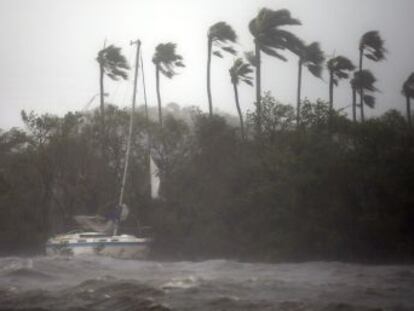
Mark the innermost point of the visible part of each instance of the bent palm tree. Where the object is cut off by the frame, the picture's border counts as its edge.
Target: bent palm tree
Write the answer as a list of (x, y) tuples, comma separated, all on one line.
[(270, 38), (219, 35), (363, 82), (165, 60), (339, 68), (408, 91), (240, 72), (371, 46), (310, 56), (113, 64)]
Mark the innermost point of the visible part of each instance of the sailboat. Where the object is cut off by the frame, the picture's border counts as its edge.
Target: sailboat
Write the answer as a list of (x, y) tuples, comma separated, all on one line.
[(100, 235)]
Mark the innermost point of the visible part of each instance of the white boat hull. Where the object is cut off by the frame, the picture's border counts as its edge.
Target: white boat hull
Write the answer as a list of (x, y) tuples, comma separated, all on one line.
[(124, 246)]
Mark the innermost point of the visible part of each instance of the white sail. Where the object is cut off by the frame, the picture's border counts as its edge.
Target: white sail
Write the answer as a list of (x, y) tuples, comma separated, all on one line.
[(154, 179), (124, 212)]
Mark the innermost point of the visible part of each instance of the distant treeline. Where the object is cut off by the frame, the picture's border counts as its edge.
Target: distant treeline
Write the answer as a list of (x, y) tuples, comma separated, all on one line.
[(335, 189)]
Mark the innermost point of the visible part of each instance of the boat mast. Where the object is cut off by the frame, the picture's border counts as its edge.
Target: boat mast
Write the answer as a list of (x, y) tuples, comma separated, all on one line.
[(131, 123), (148, 153)]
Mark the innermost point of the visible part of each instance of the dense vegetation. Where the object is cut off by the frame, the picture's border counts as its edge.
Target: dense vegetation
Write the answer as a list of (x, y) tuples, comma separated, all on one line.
[(313, 192)]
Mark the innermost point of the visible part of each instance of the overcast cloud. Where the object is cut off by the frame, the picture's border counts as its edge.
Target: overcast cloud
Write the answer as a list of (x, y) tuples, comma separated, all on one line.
[(48, 50)]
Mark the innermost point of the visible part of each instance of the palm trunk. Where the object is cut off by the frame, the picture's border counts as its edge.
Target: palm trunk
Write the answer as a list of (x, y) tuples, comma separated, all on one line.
[(157, 78), (102, 110), (298, 93), (362, 107), (258, 88), (236, 96), (361, 90), (408, 111), (354, 104), (101, 89), (331, 89), (210, 102)]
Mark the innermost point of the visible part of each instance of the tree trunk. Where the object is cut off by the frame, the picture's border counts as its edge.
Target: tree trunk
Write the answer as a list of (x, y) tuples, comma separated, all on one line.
[(157, 78), (258, 88), (354, 104), (101, 89), (298, 93), (408, 111), (362, 107), (210, 102), (102, 109), (361, 90), (331, 89), (236, 96)]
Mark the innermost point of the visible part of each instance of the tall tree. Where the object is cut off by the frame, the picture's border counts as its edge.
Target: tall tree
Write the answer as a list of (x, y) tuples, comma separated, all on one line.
[(408, 91), (372, 47), (339, 68), (219, 36), (165, 60), (114, 65), (363, 82), (270, 38), (240, 71), (310, 56)]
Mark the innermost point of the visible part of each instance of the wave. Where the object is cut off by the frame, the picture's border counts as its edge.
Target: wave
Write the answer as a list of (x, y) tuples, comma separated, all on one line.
[(102, 283), (91, 295)]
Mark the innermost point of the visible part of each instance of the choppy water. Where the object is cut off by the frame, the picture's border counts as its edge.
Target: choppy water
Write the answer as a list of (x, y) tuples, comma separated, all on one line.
[(98, 283)]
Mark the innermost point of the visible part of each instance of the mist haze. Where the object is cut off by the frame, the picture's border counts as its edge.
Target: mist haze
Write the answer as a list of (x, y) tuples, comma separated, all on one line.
[(277, 179)]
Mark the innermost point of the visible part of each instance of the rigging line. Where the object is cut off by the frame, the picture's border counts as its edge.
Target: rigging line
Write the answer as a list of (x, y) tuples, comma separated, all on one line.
[(131, 121), (149, 144)]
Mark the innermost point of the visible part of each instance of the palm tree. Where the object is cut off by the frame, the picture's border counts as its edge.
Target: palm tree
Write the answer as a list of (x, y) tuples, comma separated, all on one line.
[(270, 38), (310, 56), (113, 64), (240, 72), (165, 60), (339, 68), (363, 82), (408, 91), (219, 35), (371, 46)]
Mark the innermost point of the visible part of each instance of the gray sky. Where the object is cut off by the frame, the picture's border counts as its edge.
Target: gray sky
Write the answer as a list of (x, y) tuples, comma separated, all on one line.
[(48, 50)]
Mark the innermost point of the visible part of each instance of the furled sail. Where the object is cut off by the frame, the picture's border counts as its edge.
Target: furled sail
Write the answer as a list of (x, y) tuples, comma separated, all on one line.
[(155, 179), (95, 223), (103, 224)]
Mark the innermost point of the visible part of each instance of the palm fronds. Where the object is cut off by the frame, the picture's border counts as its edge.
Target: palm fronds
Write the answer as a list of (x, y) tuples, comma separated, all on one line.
[(372, 45), (240, 71), (166, 59), (340, 67), (113, 62), (267, 32), (221, 35)]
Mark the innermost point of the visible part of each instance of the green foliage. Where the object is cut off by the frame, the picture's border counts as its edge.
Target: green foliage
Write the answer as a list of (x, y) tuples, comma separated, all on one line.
[(301, 194)]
